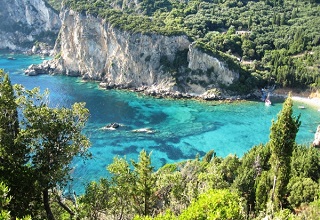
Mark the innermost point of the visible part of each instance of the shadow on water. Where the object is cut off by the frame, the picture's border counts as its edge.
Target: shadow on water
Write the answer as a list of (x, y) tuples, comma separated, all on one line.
[(177, 153), (126, 150)]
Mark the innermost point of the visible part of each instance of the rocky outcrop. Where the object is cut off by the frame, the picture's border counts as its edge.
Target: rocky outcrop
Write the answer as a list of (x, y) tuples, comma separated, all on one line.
[(316, 142), (46, 67), (92, 48), (23, 22)]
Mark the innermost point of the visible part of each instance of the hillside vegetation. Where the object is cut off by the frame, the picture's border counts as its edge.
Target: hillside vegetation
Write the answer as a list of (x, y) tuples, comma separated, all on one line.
[(277, 42)]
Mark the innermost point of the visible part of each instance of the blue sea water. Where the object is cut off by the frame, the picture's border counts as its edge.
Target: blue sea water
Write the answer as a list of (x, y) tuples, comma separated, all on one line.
[(184, 128)]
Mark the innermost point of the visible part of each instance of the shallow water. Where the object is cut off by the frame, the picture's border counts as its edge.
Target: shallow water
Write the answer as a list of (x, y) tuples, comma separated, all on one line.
[(183, 128)]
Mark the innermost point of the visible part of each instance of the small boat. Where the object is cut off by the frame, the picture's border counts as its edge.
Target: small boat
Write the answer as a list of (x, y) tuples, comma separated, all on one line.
[(11, 58), (301, 107), (267, 101)]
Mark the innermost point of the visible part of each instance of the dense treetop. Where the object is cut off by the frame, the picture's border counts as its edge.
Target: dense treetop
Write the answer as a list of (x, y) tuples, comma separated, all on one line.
[(276, 41)]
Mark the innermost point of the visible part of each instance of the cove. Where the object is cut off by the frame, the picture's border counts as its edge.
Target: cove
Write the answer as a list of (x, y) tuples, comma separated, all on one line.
[(183, 128)]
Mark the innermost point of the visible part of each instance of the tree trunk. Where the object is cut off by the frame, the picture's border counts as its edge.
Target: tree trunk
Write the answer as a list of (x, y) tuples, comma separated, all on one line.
[(65, 207), (47, 205)]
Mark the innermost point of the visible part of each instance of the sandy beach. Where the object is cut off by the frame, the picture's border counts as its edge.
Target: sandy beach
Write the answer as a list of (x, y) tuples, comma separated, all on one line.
[(310, 101), (304, 97)]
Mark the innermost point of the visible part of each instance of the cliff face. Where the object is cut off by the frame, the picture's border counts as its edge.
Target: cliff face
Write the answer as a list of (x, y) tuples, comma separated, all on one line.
[(25, 21), (94, 49)]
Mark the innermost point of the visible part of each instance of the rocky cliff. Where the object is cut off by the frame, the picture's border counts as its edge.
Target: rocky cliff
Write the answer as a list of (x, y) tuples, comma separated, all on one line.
[(25, 21), (94, 49)]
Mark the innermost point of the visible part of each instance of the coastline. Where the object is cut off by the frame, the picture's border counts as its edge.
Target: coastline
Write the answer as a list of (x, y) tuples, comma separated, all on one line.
[(304, 97), (314, 102)]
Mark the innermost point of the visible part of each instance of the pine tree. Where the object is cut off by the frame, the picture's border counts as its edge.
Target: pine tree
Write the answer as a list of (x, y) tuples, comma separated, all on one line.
[(121, 188), (145, 184), (9, 124), (262, 188), (13, 155), (282, 141)]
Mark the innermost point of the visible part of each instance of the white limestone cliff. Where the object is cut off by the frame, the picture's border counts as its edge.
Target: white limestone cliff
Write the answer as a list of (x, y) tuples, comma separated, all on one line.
[(92, 48), (25, 21)]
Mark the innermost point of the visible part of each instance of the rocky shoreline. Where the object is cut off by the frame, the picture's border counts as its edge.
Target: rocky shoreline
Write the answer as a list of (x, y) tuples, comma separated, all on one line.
[(157, 91), (215, 94), (49, 67)]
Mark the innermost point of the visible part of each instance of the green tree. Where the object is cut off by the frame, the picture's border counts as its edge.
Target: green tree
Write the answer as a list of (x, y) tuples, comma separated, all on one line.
[(282, 142), (262, 187), (209, 155), (305, 162), (249, 174), (144, 198), (4, 203), (14, 155), (9, 126), (54, 137), (302, 190), (121, 192), (215, 204), (96, 198)]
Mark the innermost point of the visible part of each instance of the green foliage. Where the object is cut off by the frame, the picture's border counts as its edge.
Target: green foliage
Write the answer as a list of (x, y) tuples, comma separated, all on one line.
[(302, 190), (36, 151), (14, 155), (53, 135), (207, 158), (282, 142), (4, 201), (263, 187), (168, 215), (96, 198), (56, 4), (121, 188), (215, 204), (4, 204), (249, 181), (305, 162), (144, 184)]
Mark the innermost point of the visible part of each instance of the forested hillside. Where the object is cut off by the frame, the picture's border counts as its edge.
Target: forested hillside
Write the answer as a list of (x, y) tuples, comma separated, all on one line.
[(278, 41)]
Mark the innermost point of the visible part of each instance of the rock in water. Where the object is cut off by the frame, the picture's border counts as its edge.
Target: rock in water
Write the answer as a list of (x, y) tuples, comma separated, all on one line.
[(316, 142)]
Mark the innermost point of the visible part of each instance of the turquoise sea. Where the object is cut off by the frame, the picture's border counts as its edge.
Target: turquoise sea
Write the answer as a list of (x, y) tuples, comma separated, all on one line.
[(183, 128)]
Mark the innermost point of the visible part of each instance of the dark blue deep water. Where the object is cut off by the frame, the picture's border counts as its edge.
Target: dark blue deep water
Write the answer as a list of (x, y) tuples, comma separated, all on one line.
[(184, 128)]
